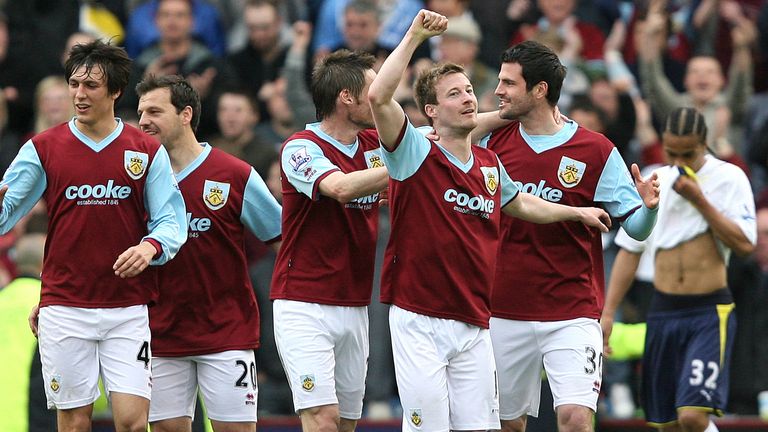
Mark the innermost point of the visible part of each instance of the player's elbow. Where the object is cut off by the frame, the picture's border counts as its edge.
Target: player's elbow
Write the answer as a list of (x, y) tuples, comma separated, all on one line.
[(744, 248), (376, 96)]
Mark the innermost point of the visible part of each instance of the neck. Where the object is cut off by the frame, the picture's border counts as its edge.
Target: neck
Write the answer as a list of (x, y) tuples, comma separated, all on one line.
[(98, 131), (183, 151), (541, 121), (343, 131), (175, 48), (456, 141)]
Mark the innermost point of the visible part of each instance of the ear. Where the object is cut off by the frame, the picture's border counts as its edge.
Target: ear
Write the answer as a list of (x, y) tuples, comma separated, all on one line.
[(186, 115), (345, 96), (431, 110), (541, 89)]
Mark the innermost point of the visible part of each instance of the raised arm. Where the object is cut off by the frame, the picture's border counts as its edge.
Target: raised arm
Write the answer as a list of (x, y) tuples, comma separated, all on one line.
[(387, 113)]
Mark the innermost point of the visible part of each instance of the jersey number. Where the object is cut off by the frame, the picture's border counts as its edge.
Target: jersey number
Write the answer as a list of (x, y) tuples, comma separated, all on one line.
[(143, 355), (697, 374), (594, 361), (252, 369)]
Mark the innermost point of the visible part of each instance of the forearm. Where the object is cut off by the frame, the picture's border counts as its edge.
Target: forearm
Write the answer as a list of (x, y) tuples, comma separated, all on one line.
[(640, 223), (345, 187), (533, 209), (724, 229), (740, 83), (383, 88), (487, 122), (622, 275)]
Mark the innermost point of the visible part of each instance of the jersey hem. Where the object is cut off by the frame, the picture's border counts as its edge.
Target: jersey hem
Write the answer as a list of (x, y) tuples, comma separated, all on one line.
[(472, 321), (329, 302), (216, 350), (515, 317)]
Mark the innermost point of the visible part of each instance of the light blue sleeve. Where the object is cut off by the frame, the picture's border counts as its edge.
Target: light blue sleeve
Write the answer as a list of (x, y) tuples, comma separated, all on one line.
[(509, 189), (167, 213), (409, 154), (617, 192), (261, 212), (26, 182), (303, 163)]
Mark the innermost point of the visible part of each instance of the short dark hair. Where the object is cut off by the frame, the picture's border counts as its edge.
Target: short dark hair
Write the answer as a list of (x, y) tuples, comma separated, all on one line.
[(340, 70), (538, 64), (686, 121), (112, 60), (182, 94), (424, 87)]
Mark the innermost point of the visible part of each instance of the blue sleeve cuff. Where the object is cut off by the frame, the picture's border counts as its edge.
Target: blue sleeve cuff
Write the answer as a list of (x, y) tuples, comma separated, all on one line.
[(640, 223)]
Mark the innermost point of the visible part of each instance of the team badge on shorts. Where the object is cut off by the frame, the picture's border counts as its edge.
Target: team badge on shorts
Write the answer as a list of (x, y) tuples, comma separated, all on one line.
[(308, 382), (55, 383), (416, 417), (373, 159), (570, 171), (490, 178), (215, 194), (135, 163)]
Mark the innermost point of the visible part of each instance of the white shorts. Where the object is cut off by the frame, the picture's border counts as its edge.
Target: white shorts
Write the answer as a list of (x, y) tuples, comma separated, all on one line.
[(227, 381), (571, 352), (324, 350), (445, 373), (77, 343)]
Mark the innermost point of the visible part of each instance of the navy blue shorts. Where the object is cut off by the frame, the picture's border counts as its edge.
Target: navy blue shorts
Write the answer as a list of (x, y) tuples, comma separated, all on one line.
[(688, 348)]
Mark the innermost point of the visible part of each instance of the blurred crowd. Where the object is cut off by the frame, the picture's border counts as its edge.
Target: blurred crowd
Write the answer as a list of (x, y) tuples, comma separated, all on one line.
[(630, 63)]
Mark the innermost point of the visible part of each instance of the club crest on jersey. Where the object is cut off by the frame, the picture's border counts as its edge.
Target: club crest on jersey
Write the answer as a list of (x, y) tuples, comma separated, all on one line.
[(570, 171), (415, 417), (373, 159), (215, 194), (135, 163), (308, 382), (55, 383), (490, 178)]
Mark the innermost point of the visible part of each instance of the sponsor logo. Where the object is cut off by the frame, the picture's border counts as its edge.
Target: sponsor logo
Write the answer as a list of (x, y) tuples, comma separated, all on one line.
[(250, 399), (416, 417), (570, 171), (108, 191), (540, 190), (477, 205), (55, 383), (596, 387), (491, 179), (300, 159), (197, 225), (373, 159), (215, 194), (308, 382), (135, 163)]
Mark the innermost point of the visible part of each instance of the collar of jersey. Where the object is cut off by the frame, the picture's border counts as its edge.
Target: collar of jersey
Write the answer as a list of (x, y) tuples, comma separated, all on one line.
[(96, 146), (181, 175), (454, 160), (348, 150), (542, 143)]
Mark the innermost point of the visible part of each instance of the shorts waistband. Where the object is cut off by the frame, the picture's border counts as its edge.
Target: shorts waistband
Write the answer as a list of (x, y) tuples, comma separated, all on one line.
[(666, 302)]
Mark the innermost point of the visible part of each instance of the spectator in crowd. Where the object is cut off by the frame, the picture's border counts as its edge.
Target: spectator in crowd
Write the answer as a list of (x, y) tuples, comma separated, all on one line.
[(24, 407), (723, 106), (52, 104), (177, 52), (237, 117), (560, 13), (142, 31), (10, 141), (460, 44), (260, 61)]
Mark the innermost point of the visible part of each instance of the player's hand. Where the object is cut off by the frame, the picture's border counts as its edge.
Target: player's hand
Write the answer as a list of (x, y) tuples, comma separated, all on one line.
[(647, 187), (595, 217), (606, 324), (384, 197), (427, 24), (134, 260), (33, 316), (688, 188)]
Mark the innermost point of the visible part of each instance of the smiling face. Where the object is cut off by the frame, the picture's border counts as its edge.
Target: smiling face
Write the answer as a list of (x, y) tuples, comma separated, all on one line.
[(90, 96), (456, 103), (158, 116), (703, 79), (514, 100)]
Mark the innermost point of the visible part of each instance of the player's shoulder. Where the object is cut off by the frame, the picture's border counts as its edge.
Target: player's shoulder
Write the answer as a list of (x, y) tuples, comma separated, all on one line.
[(227, 162)]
